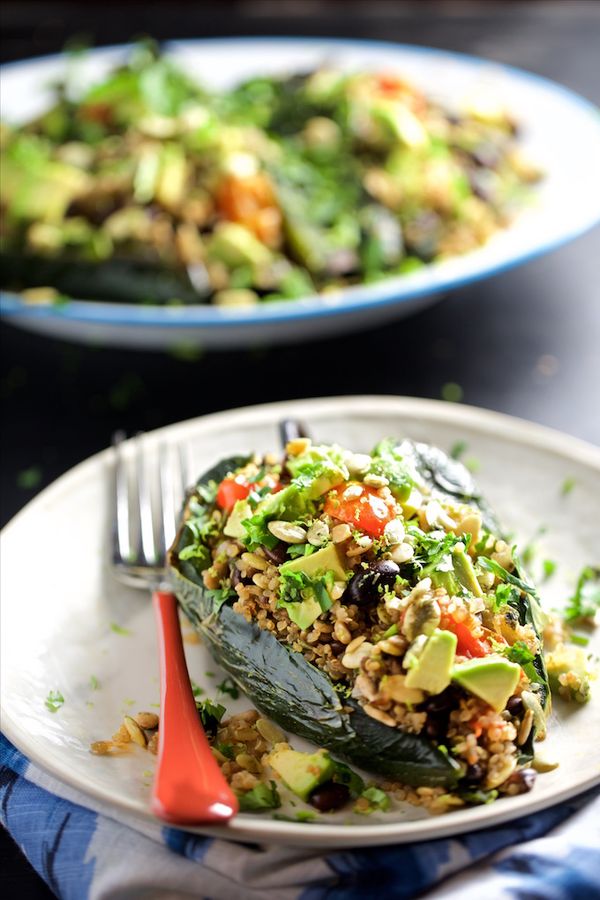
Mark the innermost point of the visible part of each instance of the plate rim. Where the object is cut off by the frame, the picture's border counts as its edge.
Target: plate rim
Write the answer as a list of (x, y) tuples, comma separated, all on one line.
[(353, 299), (292, 833)]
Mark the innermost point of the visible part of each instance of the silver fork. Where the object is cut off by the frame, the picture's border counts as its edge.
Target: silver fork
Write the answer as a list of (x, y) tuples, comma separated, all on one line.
[(189, 787)]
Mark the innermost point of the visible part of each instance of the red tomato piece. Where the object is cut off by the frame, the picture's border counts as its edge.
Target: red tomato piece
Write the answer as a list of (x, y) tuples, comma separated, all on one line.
[(468, 644), (361, 506), (231, 490)]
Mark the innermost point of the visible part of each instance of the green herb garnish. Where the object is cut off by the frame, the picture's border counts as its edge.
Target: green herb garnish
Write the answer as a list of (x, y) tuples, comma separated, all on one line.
[(585, 602), (54, 701)]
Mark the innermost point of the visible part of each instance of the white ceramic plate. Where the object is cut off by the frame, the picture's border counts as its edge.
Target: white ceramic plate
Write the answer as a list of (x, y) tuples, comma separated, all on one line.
[(59, 599), (561, 132)]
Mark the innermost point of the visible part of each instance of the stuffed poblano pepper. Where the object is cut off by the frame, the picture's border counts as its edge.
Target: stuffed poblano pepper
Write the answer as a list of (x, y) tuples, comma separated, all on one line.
[(369, 603)]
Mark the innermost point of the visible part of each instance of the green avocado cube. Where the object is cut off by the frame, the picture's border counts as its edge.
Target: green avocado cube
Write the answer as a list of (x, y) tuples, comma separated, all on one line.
[(302, 772), (233, 526), (325, 560), (492, 679), (431, 670)]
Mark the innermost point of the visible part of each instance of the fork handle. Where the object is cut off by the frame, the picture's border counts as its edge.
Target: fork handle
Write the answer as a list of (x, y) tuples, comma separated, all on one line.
[(189, 787)]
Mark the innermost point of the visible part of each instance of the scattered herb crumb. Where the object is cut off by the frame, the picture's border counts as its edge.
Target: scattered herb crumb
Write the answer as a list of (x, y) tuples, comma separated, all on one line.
[(305, 815), (459, 449), (28, 479), (89, 703), (94, 683), (54, 701), (585, 602), (549, 568), (197, 691), (154, 705), (452, 392), (128, 701), (228, 686), (473, 464), (579, 639), (119, 630), (567, 486), (210, 674)]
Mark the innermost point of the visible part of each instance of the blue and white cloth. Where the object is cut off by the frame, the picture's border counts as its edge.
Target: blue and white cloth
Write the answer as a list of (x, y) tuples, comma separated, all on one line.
[(84, 849)]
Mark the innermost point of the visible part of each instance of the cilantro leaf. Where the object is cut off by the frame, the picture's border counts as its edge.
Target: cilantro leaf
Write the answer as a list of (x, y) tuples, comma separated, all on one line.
[(228, 686), (54, 701), (492, 566), (585, 602), (210, 714), (458, 449)]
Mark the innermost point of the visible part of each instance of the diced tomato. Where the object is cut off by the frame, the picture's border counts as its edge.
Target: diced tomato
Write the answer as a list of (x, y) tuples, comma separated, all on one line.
[(237, 488), (231, 490), (363, 508), (251, 201), (468, 644)]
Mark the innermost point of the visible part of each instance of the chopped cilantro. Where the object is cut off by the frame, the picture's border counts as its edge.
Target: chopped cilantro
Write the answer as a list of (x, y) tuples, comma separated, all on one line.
[(580, 639), (491, 565), (585, 602), (94, 683), (458, 449), (343, 774), (549, 568), (118, 629), (305, 815), (209, 674), (506, 595), (226, 749), (228, 686), (378, 800), (28, 479), (520, 653), (262, 796), (295, 550), (294, 586), (210, 714), (389, 464), (473, 464), (197, 691), (219, 596), (567, 486), (452, 392), (54, 701)]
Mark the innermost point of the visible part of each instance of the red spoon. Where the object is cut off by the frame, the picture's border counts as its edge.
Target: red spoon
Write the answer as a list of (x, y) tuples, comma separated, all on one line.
[(189, 788)]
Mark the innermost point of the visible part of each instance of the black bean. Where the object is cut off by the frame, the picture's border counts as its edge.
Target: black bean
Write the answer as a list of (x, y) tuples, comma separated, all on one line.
[(236, 577), (515, 707), (442, 703), (368, 585), (474, 775), (524, 779), (329, 796), (277, 554)]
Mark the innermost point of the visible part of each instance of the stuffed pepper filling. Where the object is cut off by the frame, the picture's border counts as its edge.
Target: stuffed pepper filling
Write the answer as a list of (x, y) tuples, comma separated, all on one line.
[(385, 572)]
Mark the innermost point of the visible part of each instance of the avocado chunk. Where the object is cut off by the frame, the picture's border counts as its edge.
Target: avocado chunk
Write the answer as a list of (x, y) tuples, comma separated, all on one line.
[(302, 772), (325, 560), (492, 678), (237, 246), (432, 667), (233, 527), (303, 612), (458, 579)]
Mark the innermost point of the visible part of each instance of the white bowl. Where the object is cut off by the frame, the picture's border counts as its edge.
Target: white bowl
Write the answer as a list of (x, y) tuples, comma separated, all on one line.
[(561, 133)]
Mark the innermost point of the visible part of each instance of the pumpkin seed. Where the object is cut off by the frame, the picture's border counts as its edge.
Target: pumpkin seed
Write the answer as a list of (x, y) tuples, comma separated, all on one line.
[(270, 731), (287, 532), (135, 732)]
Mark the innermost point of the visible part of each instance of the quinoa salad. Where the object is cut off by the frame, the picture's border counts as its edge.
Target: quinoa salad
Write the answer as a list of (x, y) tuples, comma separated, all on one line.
[(147, 187), (403, 597)]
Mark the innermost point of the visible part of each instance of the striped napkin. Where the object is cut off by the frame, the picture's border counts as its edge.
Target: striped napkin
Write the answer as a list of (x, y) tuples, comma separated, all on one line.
[(86, 849)]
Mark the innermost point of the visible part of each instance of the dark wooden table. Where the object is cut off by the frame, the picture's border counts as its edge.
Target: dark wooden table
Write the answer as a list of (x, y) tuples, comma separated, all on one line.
[(527, 342)]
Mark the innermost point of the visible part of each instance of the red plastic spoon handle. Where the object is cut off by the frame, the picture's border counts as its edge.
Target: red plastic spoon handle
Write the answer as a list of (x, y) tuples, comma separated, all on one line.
[(188, 786)]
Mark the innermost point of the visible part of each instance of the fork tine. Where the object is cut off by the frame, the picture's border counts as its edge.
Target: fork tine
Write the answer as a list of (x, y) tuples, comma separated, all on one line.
[(147, 542), (182, 459), (166, 502), (121, 536)]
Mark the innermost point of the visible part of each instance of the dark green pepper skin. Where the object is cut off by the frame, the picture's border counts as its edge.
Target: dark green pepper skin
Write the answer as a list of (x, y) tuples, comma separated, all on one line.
[(114, 280), (284, 686)]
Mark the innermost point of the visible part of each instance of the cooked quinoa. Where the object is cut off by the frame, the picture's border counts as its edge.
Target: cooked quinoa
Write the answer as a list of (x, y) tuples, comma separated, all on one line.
[(403, 569)]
